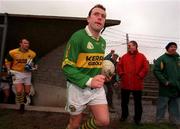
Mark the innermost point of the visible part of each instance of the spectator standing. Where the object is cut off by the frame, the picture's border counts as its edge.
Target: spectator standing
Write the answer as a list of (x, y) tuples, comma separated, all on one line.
[(132, 69), (4, 86), (109, 85), (167, 71)]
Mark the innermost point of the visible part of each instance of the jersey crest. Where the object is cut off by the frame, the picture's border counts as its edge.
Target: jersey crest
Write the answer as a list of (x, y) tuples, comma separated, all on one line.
[(90, 45)]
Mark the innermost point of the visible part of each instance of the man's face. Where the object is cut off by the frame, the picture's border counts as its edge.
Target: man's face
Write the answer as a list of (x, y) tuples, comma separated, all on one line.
[(172, 49), (97, 19), (114, 57), (132, 48), (24, 44)]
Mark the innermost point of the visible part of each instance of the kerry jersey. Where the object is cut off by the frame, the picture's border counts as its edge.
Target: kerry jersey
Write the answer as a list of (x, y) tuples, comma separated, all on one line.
[(83, 57), (18, 59)]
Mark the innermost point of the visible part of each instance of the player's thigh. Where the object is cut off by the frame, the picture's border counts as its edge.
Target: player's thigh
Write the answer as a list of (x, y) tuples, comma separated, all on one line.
[(27, 88), (27, 83), (19, 87), (100, 113)]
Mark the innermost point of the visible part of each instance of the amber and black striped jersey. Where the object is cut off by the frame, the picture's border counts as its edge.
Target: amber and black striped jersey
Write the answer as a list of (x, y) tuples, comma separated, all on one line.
[(18, 59)]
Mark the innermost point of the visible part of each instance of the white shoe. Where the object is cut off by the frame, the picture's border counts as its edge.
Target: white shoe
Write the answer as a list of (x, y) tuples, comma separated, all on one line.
[(28, 100)]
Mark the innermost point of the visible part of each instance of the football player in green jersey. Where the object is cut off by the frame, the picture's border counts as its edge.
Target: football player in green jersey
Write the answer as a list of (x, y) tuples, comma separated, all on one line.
[(82, 67)]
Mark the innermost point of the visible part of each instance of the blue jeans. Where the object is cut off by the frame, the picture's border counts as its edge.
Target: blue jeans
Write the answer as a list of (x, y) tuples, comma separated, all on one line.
[(173, 105)]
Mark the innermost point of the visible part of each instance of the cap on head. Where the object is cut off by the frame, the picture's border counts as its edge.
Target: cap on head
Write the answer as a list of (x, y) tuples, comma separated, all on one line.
[(170, 44)]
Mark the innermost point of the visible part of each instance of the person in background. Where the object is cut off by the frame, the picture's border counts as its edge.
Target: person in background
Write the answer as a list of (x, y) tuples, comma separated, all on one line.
[(167, 71), (82, 65), (4, 86), (132, 69), (109, 94), (20, 62)]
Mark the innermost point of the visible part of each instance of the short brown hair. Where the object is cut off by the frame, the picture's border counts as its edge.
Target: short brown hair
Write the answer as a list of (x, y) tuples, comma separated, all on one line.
[(134, 43), (97, 6), (21, 40)]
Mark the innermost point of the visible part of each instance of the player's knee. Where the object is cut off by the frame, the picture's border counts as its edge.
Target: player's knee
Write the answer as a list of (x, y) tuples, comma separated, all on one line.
[(18, 93), (75, 125), (27, 93), (103, 122)]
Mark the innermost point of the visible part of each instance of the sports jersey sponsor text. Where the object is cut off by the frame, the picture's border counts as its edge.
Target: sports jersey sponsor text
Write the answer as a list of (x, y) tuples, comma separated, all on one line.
[(90, 60), (21, 60)]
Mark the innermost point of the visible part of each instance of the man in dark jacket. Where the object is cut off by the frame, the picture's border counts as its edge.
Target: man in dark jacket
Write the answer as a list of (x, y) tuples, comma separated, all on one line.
[(109, 85), (167, 71)]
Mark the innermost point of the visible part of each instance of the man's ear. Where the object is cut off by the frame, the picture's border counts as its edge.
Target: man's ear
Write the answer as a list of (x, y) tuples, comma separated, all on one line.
[(88, 19)]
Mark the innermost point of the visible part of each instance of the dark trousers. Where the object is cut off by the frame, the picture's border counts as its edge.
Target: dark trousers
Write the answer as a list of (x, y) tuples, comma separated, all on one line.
[(137, 96), (109, 93)]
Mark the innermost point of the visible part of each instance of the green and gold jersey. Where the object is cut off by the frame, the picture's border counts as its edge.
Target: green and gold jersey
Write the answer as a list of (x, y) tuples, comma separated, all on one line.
[(83, 57), (18, 59)]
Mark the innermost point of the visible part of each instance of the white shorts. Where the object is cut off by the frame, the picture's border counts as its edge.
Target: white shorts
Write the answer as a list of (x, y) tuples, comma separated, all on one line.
[(78, 98), (21, 77), (4, 86)]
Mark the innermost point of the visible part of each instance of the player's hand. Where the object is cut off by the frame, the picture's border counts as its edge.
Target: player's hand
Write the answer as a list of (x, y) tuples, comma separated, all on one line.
[(116, 85), (98, 81), (35, 67), (9, 72), (168, 84)]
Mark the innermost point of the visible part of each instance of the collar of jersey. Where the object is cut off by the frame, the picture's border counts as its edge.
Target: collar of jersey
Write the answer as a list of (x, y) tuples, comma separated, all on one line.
[(22, 51), (90, 34)]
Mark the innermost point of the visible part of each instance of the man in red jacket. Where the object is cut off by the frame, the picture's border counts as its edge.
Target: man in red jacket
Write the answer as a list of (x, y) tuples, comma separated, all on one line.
[(132, 68)]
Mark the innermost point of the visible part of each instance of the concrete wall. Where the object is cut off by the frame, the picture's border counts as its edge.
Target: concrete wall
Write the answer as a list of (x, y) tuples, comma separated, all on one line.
[(49, 81)]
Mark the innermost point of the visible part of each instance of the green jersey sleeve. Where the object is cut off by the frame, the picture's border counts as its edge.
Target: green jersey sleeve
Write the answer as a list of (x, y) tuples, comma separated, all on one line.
[(72, 73)]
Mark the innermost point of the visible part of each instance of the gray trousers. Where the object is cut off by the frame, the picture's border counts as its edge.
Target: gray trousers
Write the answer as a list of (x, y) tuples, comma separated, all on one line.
[(173, 105)]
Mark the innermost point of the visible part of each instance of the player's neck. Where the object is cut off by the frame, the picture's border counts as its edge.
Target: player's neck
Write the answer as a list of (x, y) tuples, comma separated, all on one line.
[(95, 34), (23, 50)]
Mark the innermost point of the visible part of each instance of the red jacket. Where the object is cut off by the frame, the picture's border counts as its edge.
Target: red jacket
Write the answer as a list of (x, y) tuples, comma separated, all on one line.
[(132, 68)]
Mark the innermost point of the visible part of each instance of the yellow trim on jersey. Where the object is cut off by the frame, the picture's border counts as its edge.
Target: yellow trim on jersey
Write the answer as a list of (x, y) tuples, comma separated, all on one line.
[(67, 62), (67, 51), (161, 65), (90, 60)]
